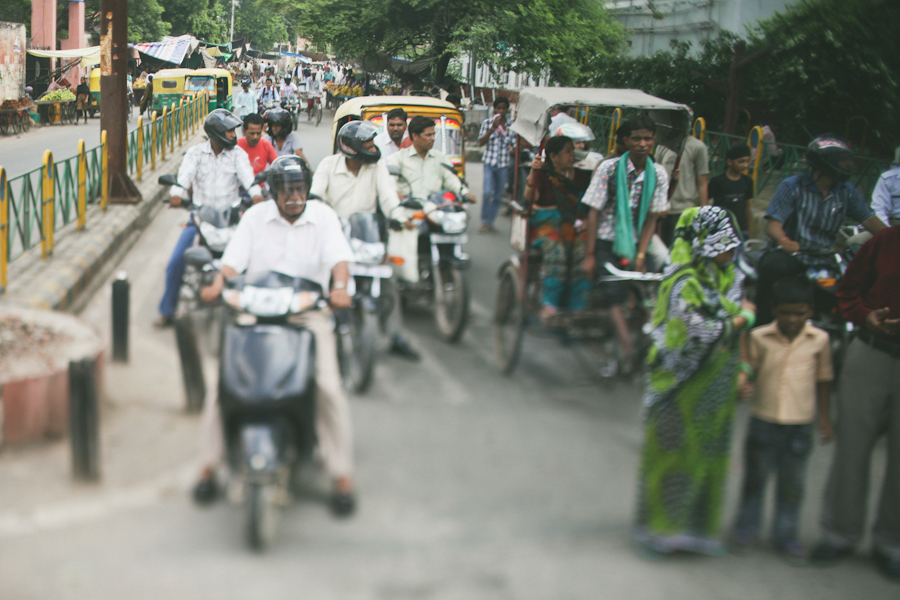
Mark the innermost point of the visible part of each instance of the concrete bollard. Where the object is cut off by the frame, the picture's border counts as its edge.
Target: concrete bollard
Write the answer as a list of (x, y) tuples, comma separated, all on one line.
[(84, 419), (121, 292)]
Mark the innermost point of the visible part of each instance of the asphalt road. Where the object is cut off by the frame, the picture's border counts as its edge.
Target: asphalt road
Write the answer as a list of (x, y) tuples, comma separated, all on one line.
[(24, 152), (472, 485)]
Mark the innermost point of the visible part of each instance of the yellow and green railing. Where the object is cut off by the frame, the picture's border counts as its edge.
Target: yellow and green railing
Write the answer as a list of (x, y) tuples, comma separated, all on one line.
[(34, 205)]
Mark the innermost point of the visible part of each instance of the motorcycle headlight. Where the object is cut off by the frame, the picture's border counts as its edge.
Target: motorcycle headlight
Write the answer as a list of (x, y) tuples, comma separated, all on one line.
[(267, 302), (301, 301), (367, 252), (450, 222), (215, 237)]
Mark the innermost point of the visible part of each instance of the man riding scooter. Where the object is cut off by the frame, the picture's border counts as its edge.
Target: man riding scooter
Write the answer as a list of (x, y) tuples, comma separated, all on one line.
[(213, 172), (301, 239), (357, 180)]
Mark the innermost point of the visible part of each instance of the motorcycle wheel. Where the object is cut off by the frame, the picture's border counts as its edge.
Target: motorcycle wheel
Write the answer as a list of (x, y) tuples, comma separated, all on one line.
[(451, 313), (262, 515), (509, 321), (358, 350), (191, 363)]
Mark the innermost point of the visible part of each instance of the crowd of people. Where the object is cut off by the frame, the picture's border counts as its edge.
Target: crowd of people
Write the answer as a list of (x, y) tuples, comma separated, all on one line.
[(710, 344)]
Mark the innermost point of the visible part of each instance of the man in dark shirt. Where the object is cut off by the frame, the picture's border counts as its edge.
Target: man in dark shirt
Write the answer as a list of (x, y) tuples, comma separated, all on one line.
[(868, 407), (732, 190)]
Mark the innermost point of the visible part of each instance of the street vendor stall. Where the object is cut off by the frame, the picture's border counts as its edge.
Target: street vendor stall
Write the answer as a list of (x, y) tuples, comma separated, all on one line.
[(57, 107)]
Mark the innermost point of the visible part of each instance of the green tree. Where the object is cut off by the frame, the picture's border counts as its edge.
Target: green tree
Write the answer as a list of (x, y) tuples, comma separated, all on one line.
[(145, 21), (559, 35), (260, 24), (204, 19)]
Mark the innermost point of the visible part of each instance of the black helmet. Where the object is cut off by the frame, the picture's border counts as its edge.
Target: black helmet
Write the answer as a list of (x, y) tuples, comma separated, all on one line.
[(279, 116), (353, 135), (830, 155), (217, 123), (286, 169)]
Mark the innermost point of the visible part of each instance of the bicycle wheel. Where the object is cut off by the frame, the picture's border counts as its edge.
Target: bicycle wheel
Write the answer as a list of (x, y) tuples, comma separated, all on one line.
[(508, 321), (318, 113)]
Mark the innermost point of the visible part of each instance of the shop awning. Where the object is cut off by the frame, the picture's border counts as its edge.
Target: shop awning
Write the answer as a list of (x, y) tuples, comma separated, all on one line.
[(89, 56), (170, 49)]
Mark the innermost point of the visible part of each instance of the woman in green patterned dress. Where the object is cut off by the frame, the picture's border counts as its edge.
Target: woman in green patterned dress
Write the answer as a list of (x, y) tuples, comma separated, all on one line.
[(691, 388)]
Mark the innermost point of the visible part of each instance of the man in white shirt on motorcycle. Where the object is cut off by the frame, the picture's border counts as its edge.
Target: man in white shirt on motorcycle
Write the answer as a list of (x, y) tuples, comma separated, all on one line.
[(213, 172), (300, 238), (268, 93), (288, 89), (357, 180)]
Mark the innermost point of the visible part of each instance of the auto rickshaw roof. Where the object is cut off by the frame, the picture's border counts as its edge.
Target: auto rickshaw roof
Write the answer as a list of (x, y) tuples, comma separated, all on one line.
[(215, 71), (535, 103), (355, 106), (169, 73)]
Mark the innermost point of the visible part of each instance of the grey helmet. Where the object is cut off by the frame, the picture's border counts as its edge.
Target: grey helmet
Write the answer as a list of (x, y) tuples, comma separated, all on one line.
[(353, 135), (217, 124), (281, 117)]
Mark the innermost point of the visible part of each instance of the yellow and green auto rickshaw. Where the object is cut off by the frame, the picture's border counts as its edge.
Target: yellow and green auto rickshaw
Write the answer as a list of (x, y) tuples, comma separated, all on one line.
[(220, 88), (169, 88), (449, 135)]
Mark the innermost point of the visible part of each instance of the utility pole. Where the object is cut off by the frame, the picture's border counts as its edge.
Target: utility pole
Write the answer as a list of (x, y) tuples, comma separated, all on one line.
[(231, 31), (113, 97)]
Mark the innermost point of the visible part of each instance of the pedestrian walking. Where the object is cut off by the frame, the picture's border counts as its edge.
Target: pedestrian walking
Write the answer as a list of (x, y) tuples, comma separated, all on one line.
[(868, 407), (791, 360), (688, 185), (691, 388), (498, 140)]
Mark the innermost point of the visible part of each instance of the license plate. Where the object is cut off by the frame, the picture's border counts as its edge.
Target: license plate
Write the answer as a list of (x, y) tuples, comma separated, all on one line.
[(441, 238), (382, 271)]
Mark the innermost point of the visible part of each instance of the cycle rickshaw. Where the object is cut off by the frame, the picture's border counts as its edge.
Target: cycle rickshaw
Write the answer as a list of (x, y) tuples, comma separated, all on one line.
[(589, 332)]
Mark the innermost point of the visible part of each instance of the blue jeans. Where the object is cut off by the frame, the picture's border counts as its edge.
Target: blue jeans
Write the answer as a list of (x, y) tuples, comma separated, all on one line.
[(175, 271), (494, 185), (784, 449)]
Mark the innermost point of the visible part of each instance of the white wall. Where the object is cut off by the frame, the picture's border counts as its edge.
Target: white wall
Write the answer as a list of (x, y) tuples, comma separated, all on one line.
[(12, 60), (688, 20)]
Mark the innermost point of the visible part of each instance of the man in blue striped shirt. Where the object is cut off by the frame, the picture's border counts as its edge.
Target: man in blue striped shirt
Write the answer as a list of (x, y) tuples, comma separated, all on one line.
[(805, 215)]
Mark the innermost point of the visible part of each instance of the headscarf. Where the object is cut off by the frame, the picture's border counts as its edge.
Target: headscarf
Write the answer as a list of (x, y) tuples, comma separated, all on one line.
[(700, 235)]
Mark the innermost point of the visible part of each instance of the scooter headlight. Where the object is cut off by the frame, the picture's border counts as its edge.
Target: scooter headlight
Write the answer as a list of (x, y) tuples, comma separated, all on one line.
[(215, 237), (450, 221), (266, 302), (301, 301), (367, 252)]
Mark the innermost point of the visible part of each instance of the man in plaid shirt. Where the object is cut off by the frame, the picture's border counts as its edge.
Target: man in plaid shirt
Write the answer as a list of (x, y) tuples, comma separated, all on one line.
[(496, 135)]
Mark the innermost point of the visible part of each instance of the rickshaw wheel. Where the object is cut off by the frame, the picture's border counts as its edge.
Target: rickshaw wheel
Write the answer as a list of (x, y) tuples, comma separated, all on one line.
[(509, 320)]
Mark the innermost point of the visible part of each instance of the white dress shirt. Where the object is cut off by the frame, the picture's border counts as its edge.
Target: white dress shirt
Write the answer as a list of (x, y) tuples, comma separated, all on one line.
[(288, 90), (215, 180), (268, 93), (244, 103), (427, 175), (347, 193), (309, 247)]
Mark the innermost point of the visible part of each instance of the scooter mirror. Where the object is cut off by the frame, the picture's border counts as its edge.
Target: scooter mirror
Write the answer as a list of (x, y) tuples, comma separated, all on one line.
[(261, 177), (167, 180), (411, 204)]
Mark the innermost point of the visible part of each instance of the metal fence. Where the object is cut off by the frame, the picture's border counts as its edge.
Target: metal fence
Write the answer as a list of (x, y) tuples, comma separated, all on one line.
[(33, 206)]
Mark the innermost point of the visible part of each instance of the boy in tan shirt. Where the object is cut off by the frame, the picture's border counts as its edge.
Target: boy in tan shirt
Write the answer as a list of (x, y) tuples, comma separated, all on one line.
[(792, 362)]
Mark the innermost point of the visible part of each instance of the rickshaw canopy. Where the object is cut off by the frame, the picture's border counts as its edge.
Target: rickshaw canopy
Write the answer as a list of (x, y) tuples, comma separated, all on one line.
[(170, 81), (535, 104)]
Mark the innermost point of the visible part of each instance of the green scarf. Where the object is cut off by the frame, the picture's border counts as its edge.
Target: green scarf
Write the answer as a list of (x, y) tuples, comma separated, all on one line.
[(624, 245)]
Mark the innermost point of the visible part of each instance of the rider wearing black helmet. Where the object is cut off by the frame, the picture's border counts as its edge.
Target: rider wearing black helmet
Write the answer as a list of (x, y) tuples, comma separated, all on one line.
[(280, 125), (806, 212), (356, 180), (301, 239), (213, 171)]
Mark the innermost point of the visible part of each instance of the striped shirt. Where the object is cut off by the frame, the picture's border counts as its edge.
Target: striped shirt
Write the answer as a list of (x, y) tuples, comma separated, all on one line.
[(496, 152), (215, 180), (811, 219)]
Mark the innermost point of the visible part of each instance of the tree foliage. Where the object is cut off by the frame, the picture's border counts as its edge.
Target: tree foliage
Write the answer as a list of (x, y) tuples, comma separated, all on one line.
[(559, 35), (204, 19), (260, 25), (831, 60)]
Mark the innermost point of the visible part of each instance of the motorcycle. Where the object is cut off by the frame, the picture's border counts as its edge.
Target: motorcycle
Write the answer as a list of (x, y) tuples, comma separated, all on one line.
[(266, 105), (292, 105), (267, 392), (214, 228), (439, 273), (357, 327)]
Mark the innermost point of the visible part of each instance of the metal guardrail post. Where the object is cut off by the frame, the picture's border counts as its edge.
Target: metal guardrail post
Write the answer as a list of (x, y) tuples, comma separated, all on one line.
[(172, 130), (121, 292), (140, 149), (84, 419), (755, 140), (180, 122), (104, 163), (4, 228), (48, 207), (614, 125), (162, 154), (153, 141), (699, 130), (82, 185)]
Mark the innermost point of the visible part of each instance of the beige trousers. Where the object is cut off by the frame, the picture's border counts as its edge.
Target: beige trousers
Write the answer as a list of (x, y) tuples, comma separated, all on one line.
[(332, 409)]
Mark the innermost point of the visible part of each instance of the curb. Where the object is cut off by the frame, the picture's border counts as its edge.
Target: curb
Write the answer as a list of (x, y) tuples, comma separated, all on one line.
[(68, 279)]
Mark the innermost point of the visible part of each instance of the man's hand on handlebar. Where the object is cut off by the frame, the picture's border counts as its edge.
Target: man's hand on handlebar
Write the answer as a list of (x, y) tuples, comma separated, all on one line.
[(339, 298), (257, 199), (789, 245), (878, 323), (589, 265), (470, 197), (211, 292), (175, 202)]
